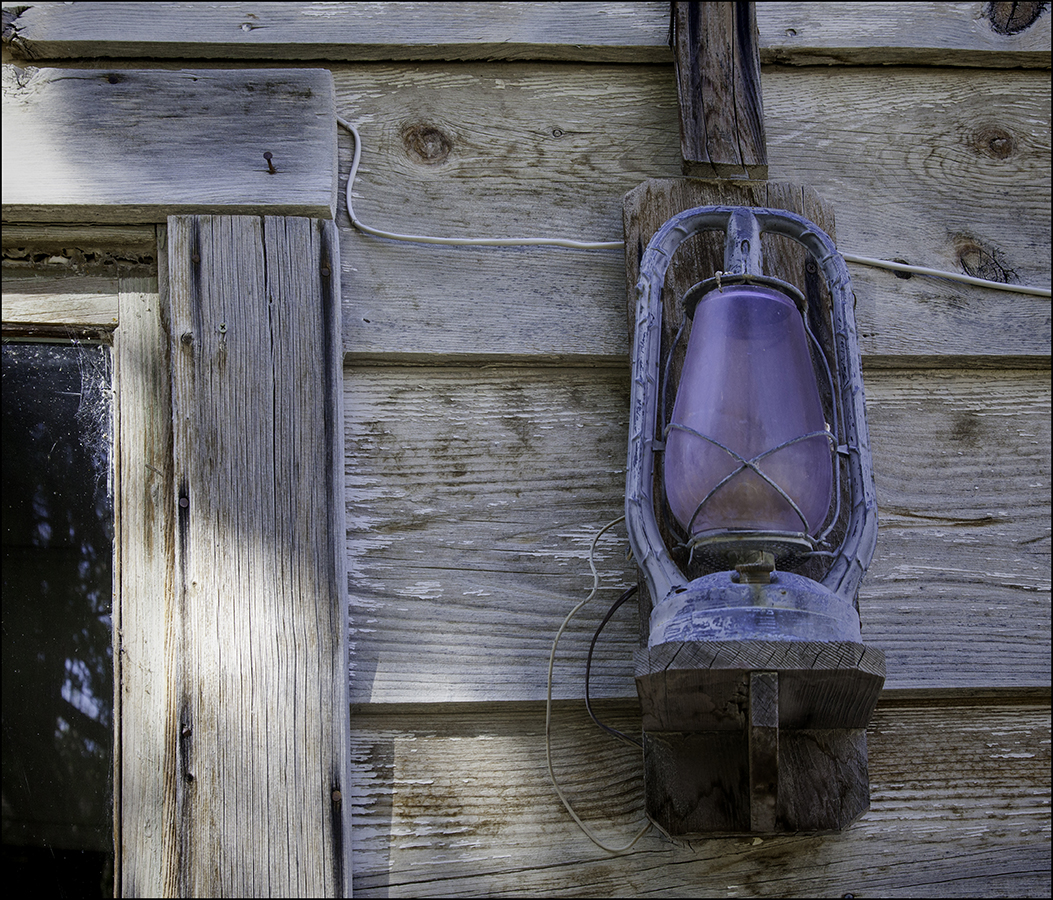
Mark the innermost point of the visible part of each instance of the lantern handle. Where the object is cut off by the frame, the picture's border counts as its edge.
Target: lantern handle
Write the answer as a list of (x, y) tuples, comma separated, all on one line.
[(742, 249)]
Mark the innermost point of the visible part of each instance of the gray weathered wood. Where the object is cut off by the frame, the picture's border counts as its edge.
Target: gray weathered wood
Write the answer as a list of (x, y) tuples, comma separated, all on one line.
[(126, 242), (50, 299), (615, 32), (458, 803), (933, 33), (261, 705), (128, 146), (962, 466), (717, 60), (473, 495), (62, 275), (146, 658), (926, 34), (552, 150)]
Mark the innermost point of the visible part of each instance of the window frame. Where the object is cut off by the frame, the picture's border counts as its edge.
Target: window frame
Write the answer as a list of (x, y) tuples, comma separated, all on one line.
[(43, 302), (159, 849)]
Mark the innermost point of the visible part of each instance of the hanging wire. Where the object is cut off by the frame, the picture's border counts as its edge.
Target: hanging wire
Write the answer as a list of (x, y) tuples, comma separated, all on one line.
[(458, 242), (621, 735), (548, 706), (952, 276)]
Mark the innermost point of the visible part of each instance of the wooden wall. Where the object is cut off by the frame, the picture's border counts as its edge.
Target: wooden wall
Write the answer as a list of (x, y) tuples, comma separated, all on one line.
[(486, 397)]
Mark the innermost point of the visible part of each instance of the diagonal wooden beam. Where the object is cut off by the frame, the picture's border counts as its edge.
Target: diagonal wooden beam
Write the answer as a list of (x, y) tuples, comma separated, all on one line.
[(717, 56)]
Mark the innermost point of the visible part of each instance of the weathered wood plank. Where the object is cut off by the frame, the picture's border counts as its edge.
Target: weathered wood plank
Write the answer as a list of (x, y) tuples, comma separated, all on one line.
[(261, 708), (897, 168), (614, 32), (946, 34), (925, 34), (717, 61), (126, 241), (512, 149), (145, 660), (460, 804), (133, 146), (473, 495), (49, 299), (962, 464), (62, 275)]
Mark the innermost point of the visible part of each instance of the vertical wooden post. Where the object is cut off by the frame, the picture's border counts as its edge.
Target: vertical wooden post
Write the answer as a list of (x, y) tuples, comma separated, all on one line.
[(716, 52), (260, 710)]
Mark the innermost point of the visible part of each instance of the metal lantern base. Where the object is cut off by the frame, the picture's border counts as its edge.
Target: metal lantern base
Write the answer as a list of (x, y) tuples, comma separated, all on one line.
[(757, 736), (719, 608)]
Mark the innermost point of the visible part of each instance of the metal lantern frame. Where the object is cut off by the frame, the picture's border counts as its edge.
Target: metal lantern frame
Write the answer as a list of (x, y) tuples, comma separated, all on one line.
[(743, 227), (755, 687)]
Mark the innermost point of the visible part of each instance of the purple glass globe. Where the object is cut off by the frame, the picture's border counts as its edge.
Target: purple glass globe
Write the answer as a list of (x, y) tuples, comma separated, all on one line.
[(748, 449)]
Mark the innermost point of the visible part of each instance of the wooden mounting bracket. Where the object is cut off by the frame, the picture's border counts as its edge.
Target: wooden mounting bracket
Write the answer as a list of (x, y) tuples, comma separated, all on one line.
[(757, 736)]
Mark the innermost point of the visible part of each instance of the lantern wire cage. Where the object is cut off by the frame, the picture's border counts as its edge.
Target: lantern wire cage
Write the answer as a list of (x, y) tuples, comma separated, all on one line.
[(802, 553)]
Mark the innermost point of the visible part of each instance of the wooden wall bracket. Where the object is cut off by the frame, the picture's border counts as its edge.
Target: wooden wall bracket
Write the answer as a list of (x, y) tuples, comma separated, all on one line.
[(757, 736)]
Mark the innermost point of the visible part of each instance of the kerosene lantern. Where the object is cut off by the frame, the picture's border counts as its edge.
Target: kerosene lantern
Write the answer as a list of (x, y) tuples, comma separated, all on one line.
[(755, 685)]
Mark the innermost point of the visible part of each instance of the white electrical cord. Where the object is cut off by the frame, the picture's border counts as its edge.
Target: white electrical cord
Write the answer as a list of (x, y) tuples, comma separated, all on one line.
[(952, 276), (548, 704), (620, 245)]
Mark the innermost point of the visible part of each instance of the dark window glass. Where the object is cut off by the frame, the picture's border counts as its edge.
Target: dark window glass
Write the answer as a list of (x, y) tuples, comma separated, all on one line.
[(57, 645)]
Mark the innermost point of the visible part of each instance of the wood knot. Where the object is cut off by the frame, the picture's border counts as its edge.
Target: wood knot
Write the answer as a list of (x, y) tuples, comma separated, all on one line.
[(426, 144), (904, 275), (982, 262), (1012, 18), (992, 141)]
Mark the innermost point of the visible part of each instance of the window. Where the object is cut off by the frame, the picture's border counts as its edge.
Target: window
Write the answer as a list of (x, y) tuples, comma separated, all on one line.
[(61, 580), (58, 527)]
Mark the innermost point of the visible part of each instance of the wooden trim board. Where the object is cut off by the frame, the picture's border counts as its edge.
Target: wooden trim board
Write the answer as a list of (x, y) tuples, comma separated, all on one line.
[(129, 146), (257, 722)]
